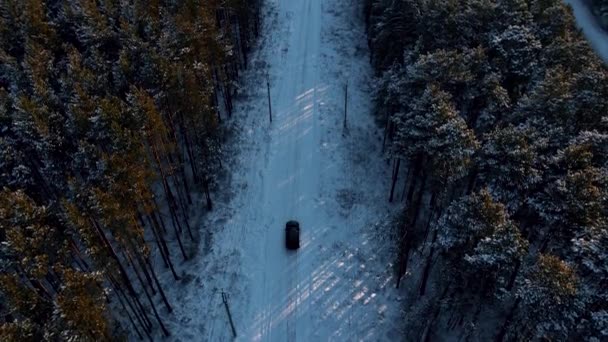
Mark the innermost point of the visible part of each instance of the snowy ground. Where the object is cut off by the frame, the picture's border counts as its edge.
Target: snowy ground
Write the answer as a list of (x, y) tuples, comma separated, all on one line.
[(597, 37), (303, 166)]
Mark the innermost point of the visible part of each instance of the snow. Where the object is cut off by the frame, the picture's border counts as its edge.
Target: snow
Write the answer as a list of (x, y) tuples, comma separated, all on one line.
[(305, 166), (597, 37)]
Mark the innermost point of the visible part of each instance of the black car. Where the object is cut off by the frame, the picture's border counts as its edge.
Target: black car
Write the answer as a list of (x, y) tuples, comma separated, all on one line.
[(292, 235)]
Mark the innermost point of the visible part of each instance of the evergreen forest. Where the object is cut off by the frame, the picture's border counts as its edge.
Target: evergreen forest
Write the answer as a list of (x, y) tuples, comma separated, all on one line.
[(496, 114)]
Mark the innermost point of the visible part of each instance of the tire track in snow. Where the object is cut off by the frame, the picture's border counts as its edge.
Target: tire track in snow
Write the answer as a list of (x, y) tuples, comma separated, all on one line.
[(294, 301), (267, 320), (300, 117)]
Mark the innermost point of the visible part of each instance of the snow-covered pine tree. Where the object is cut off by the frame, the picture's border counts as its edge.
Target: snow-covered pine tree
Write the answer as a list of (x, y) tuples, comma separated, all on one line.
[(72, 142), (545, 306), (533, 94)]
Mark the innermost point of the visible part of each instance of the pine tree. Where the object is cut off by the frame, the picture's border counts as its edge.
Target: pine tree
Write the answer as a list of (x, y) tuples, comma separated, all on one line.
[(81, 306), (479, 239), (525, 142), (510, 163), (547, 293), (99, 103)]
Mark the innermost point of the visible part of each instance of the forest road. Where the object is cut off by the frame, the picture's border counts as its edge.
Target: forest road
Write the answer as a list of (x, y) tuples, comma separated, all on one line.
[(289, 181)]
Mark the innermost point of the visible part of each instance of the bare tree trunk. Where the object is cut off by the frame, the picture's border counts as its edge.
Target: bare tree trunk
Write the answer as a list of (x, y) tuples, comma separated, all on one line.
[(508, 320), (78, 255), (138, 275), (138, 309), (395, 178), (408, 180), (167, 188), (432, 204), (514, 275), (160, 289), (411, 226), (427, 266), (404, 242), (120, 294), (160, 322), (426, 337), (387, 127), (472, 180), (181, 246), (160, 219), (156, 237), (207, 194), (163, 243), (124, 308), (418, 201), (122, 270), (188, 148)]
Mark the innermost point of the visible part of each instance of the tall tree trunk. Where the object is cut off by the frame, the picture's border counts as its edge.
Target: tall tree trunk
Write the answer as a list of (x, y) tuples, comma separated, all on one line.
[(387, 126), (152, 305), (426, 337), (472, 180), (188, 143), (432, 204), (138, 308), (156, 237), (182, 173), (119, 293), (427, 266), (40, 289), (395, 178), (177, 185), (417, 168), (53, 281), (160, 322), (404, 241), (207, 194), (411, 225), (418, 202), (160, 288), (256, 24), (507, 323), (78, 255), (122, 270), (167, 188), (138, 276), (124, 308), (514, 275), (160, 218), (403, 257), (181, 246), (187, 223), (408, 180), (163, 246)]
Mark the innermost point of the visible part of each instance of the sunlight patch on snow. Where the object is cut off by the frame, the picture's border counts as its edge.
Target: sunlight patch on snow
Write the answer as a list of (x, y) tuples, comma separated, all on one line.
[(305, 95), (386, 281), (304, 133), (369, 299), (293, 121), (287, 181), (359, 295)]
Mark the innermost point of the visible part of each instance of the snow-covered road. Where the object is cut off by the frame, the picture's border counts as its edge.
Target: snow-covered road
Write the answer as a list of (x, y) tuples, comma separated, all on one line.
[(280, 283), (598, 38), (338, 286), (303, 166)]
